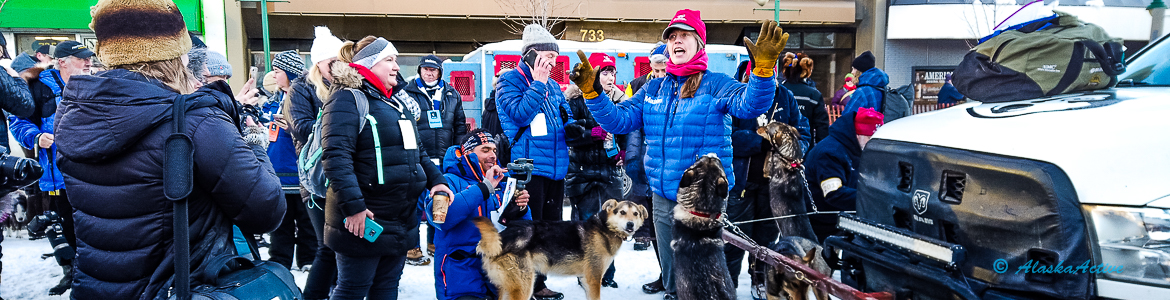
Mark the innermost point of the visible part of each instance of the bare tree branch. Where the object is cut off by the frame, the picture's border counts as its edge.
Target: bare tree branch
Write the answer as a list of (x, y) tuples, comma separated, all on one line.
[(521, 13)]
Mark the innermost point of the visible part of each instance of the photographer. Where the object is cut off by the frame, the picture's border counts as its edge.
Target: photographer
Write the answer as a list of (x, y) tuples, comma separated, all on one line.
[(473, 168), (116, 172)]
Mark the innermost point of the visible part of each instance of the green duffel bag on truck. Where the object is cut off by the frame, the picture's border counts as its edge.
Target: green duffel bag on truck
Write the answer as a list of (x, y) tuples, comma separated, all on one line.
[(1044, 57)]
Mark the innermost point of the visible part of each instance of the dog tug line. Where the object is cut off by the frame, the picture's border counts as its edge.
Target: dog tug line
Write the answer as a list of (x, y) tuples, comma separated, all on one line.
[(790, 267)]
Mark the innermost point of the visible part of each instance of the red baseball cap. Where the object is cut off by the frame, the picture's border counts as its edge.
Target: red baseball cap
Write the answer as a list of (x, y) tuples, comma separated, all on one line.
[(687, 20), (867, 121), (601, 60)]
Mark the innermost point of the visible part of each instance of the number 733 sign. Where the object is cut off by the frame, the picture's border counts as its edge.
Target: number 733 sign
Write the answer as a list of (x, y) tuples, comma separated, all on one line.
[(589, 35)]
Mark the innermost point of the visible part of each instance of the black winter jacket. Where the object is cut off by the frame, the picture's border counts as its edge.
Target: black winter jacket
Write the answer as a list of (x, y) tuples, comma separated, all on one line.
[(812, 106), (111, 129), (351, 166), (590, 167), (14, 99), (303, 113), (436, 140)]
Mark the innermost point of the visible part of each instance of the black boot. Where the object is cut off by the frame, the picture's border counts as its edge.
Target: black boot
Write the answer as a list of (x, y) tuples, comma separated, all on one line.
[(66, 281)]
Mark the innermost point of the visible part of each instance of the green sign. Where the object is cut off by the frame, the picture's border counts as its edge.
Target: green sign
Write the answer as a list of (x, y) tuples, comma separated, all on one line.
[(74, 14)]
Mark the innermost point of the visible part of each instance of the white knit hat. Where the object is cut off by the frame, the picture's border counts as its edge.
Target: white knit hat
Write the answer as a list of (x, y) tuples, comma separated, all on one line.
[(538, 38), (325, 45)]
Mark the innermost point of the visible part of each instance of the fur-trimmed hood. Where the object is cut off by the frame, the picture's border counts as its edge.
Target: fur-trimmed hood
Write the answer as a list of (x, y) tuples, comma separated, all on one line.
[(345, 76)]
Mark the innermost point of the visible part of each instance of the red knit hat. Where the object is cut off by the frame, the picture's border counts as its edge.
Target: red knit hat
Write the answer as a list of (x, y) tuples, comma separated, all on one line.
[(867, 121), (601, 60), (687, 20)]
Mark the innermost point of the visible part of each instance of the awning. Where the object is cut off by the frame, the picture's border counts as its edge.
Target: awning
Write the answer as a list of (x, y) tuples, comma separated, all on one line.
[(74, 14)]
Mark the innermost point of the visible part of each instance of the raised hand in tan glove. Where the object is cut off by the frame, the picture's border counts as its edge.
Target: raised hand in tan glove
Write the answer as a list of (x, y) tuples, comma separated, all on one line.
[(585, 77), (767, 48)]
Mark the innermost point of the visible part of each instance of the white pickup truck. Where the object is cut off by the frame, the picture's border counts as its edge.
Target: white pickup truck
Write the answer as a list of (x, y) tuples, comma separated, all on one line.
[(1065, 197)]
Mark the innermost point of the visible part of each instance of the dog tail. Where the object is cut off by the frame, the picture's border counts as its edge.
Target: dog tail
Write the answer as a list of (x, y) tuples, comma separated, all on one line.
[(490, 244)]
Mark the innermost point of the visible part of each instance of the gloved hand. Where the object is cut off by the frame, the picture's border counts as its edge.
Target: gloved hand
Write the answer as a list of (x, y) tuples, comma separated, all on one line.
[(598, 133), (767, 48), (585, 77)]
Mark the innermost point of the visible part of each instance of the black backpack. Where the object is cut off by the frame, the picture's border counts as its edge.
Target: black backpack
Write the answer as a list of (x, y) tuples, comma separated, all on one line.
[(894, 105)]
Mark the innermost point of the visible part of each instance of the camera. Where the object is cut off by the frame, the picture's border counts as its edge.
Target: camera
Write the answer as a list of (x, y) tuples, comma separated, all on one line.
[(521, 169), (17, 172), (49, 226)]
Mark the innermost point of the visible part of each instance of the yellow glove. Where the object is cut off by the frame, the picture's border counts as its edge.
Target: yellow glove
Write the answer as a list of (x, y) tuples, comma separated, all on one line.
[(584, 76), (767, 48)]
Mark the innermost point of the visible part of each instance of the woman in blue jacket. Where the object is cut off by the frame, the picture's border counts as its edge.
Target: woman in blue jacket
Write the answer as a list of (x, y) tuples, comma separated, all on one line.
[(471, 169), (685, 114)]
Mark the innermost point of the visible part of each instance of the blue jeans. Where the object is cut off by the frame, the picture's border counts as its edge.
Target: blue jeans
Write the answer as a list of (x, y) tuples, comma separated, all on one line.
[(663, 229), (369, 277)]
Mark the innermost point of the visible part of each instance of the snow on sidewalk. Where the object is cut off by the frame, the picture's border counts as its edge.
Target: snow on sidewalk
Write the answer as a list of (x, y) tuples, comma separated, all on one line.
[(27, 276)]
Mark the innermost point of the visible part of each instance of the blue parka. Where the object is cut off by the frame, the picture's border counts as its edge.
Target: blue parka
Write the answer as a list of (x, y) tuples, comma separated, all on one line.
[(834, 157), (677, 131), (46, 91), (751, 151), (519, 99), (283, 151), (461, 274), (868, 93)]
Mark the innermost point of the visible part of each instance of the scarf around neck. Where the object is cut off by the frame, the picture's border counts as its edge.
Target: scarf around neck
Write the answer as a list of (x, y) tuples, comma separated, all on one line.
[(696, 65), (373, 79)]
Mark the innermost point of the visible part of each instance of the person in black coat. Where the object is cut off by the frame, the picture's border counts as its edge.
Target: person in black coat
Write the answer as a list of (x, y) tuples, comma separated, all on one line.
[(111, 128), (832, 167), (306, 102), (812, 104), (377, 171), (749, 198), (14, 99), (432, 93)]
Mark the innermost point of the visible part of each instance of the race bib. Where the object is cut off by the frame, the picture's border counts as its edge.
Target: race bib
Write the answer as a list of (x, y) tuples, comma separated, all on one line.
[(435, 118), (539, 125), (409, 141)]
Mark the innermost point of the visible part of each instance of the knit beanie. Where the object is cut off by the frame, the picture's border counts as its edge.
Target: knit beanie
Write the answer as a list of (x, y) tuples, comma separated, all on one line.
[(537, 38), (601, 60), (325, 45), (374, 52), (289, 62), (137, 31), (867, 121), (23, 62), (476, 138), (864, 62), (217, 64)]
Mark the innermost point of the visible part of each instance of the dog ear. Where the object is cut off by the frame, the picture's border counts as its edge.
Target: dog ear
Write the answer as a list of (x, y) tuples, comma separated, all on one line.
[(687, 178), (642, 210), (609, 205), (721, 186), (810, 256)]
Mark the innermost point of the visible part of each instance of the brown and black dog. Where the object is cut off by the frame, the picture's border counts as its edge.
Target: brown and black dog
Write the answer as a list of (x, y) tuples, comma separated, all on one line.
[(583, 249), (788, 194)]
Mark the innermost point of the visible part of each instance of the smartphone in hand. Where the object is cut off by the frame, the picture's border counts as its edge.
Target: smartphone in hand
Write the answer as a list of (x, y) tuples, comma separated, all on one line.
[(373, 230)]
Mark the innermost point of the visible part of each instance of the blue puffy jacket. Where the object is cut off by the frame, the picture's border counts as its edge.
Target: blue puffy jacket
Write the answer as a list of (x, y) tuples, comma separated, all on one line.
[(283, 151), (677, 131), (458, 270), (519, 99), (47, 91), (868, 93), (751, 151)]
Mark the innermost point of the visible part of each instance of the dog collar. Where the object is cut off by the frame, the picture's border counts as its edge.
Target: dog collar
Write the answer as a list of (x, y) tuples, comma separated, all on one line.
[(704, 215)]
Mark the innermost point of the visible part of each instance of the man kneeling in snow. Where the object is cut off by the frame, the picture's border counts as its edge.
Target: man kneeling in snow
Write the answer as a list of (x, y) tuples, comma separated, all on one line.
[(472, 171)]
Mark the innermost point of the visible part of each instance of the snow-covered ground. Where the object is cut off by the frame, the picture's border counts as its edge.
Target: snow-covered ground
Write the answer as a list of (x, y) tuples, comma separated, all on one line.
[(27, 276)]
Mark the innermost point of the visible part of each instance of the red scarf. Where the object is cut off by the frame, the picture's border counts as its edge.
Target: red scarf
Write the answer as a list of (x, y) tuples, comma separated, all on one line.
[(373, 79), (696, 65)]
